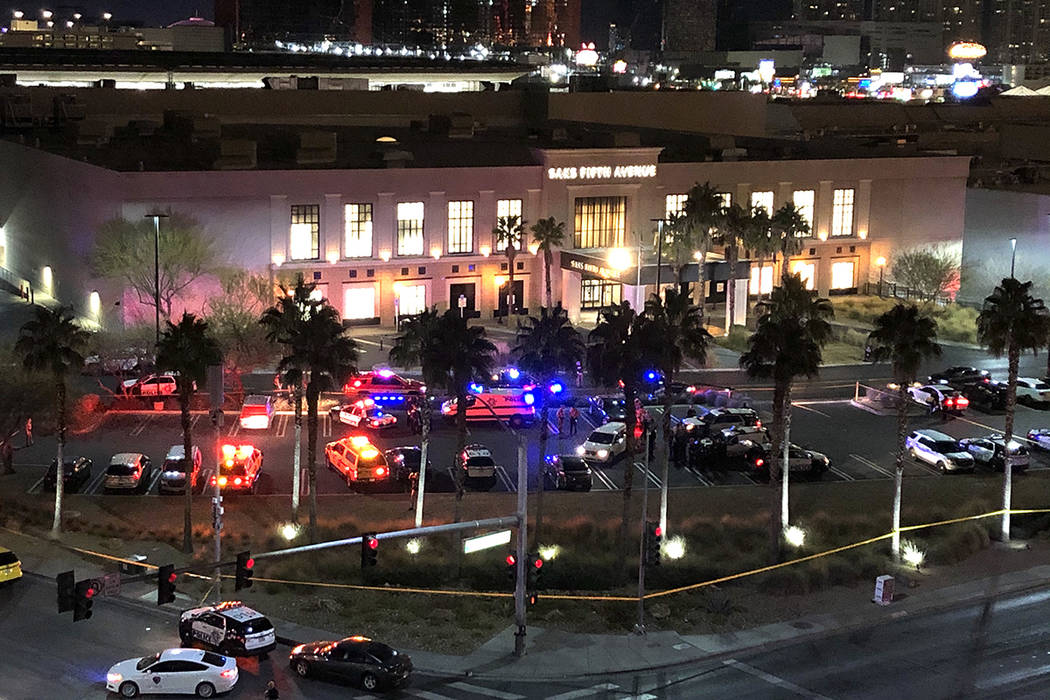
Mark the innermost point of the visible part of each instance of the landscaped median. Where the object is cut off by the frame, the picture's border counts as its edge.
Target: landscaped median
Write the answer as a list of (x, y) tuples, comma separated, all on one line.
[(723, 532)]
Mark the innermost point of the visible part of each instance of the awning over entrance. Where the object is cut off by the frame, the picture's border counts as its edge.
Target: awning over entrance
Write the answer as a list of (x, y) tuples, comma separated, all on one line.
[(595, 263)]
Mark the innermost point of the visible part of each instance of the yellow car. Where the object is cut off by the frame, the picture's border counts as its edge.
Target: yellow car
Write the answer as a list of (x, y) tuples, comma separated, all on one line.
[(10, 567)]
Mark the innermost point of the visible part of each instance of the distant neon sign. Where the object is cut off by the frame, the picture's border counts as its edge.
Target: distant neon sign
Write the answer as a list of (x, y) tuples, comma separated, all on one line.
[(602, 172)]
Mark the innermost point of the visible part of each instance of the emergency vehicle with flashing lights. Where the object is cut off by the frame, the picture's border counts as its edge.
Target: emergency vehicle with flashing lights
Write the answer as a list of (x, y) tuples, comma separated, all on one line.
[(239, 469), (516, 406), (257, 412), (384, 387), (230, 628), (363, 413), (514, 378), (358, 461)]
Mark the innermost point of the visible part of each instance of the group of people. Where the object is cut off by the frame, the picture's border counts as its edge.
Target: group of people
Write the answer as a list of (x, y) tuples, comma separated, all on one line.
[(574, 418)]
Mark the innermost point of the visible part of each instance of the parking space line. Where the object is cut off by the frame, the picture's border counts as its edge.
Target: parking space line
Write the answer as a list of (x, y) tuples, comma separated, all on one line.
[(137, 430), (326, 426), (604, 478), (427, 695), (488, 692), (282, 426), (205, 479), (584, 692), (153, 481), (699, 478), (193, 420), (234, 428), (868, 463), (774, 680), (644, 470), (505, 478), (841, 474), (811, 410), (95, 484)]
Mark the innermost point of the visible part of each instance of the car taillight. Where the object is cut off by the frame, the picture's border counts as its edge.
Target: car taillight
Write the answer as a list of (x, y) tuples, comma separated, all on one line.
[(380, 471), (222, 481), (962, 402), (229, 673), (758, 424), (237, 481), (759, 462)]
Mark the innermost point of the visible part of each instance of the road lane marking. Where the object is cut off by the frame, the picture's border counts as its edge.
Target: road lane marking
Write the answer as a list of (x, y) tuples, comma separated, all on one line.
[(584, 692), (488, 692), (645, 470), (137, 430), (427, 695), (868, 463), (842, 474), (695, 472), (773, 680), (604, 478), (505, 478), (37, 485), (811, 410), (94, 485)]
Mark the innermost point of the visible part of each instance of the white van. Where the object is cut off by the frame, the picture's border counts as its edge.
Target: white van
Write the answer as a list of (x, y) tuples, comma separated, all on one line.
[(606, 444), (516, 407)]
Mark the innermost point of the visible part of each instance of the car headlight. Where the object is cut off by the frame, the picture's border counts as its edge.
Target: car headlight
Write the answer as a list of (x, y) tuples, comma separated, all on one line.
[(580, 450), (114, 677), (603, 454), (299, 649)]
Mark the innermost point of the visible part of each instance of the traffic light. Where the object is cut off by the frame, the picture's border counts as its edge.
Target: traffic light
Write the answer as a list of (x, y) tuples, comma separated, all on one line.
[(83, 595), (166, 584), (533, 567), (369, 550), (512, 567), (243, 577), (653, 535), (66, 591)]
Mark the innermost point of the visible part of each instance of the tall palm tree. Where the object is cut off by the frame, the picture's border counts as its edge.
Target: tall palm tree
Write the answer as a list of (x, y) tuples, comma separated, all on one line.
[(508, 237), (789, 228), (787, 343), (317, 344), (548, 234), (1012, 321), (52, 342), (674, 330), (759, 241), (678, 246), (703, 214), (736, 223), (618, 353), (187, 349), (547, 344), (905, 336)]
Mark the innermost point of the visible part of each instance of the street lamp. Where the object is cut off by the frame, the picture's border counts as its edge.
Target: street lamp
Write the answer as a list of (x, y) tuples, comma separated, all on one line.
[(156, 216), (1013, 255), (881, 263)]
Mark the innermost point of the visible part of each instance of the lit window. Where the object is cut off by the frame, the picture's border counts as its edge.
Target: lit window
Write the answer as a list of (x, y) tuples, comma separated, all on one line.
[(762, 200), (727, 199), (410, 228), (305, 232), (842, 275), (461, 227), (597, 294), (674, 205), (357, 241), (412, 299), (842, 214), (761, 280), (807, 271), (506, 208), (803, 200), (359, 301), (600, 222)]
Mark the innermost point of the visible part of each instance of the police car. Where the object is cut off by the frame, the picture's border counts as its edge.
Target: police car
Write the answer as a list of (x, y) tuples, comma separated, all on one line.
[(479, 469), (230, 628), (384, 387), (516, 406), (363, 413)]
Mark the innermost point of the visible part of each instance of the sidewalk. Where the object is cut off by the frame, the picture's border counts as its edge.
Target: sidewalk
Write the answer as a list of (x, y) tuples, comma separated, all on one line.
[(555, 654)]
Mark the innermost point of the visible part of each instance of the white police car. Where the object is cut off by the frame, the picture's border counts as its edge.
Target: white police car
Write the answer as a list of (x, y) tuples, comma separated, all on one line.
[(230, 628), (174, 671)]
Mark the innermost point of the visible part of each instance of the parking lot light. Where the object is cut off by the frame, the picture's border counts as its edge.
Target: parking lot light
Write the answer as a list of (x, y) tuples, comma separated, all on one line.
[(413, 546), (911, 554), (549, 552), (794, 535), (674, 547), (290, 531)]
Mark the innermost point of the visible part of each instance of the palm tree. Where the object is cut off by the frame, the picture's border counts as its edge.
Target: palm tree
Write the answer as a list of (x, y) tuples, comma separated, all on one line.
[(789, 228), (905, 336), (508, 236), (736, 223), (547, 345), (703, 214), (187, 349), (52, 342), (759, 240), (678, 245), (618, 353), (548, 234), (787, 343), (1012, 321), (674, 330), (318, 345)]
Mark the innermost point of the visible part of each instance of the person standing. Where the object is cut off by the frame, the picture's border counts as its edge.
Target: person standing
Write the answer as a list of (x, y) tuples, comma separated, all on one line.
[(561, 420), (29, 432), (271, 691), (579, 373), (574, 418), (413, 489)]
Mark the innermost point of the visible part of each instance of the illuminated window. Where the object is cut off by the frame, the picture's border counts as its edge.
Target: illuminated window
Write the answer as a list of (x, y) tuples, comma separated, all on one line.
[(807, 271), (461, 227), (506, 208), (357, 232), (412, 299), (305, 232), (359, 301), (600, 222), (674, 205), (842, 275), (761, 280), (763, 200), (410, 228), (842, 213), (803, 200), (727, 199), (596, 293)]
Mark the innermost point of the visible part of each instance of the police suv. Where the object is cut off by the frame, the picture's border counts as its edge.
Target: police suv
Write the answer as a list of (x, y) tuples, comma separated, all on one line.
[(230, 628)]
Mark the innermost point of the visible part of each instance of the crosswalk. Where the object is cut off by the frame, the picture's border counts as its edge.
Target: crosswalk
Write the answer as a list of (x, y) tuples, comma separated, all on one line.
[(463, 690)]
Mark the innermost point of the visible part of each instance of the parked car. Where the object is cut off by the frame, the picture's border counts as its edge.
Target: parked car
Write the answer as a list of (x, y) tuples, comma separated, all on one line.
[(360, 660), (604, 409), (230, 628), (940, 397), (988, 397), (736, 447), (940, 450), (363, 413), (606, 444), (174, 672), (990, 451), (1032, 391), (404, 462), (257, 412), (75, 473), (10, 566), (478, 466), (567, 473), (959, 375), (151, 385), (173, 471), (1040, 437), (128, 471), (239, 469)]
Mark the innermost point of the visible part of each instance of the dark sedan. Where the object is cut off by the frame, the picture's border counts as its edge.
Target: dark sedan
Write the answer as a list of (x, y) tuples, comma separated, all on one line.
[(606, 409), (959, 376), (76, 473), (988, 397), (568, 473), (357, 660), (404, 462)]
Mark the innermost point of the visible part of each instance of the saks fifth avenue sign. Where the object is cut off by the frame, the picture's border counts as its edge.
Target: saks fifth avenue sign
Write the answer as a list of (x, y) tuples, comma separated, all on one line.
[(580, 265), (602, 172)]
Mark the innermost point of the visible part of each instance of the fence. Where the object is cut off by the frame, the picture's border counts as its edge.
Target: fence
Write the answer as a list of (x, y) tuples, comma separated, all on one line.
[(900, 291)]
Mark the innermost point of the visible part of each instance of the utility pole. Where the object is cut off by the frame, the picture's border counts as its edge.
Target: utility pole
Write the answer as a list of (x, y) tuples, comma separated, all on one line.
[(216, 395), (421, 482), (519, 579), (156, 216), (640, 627)]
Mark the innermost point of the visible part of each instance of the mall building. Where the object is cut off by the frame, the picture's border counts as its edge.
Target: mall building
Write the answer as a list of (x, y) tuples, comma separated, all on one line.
[(388, 220)]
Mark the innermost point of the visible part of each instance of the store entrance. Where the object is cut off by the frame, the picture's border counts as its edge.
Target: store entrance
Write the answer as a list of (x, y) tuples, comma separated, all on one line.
[(467, 291), (519, 297)]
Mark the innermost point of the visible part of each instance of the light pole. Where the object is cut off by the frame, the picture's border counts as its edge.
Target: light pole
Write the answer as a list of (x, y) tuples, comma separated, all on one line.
[(881, 263), (1013, 255), (156, 216)]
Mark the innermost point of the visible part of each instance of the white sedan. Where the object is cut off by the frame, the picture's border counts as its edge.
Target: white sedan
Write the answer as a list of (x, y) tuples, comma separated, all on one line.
[(174, 671)]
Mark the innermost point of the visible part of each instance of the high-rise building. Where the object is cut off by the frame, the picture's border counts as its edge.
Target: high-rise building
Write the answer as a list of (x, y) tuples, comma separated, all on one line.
[(688, 26)]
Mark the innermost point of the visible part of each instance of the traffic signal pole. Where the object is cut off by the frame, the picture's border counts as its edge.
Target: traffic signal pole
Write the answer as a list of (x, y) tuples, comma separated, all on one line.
[(640, 627), (519, 580)]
